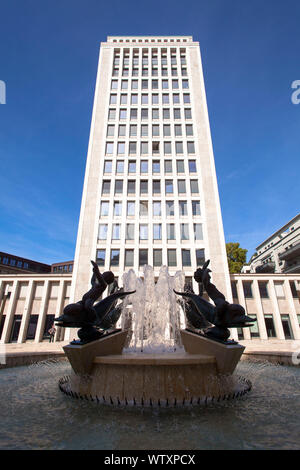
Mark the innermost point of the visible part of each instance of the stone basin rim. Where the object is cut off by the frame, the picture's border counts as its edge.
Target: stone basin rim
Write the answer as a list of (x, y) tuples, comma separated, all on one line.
[(155, 359)]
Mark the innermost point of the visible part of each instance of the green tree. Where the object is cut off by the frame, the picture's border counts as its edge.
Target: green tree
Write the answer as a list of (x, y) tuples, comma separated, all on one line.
[(236, 257)]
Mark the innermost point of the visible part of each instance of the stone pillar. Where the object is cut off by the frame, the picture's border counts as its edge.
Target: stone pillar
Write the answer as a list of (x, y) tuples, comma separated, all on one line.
[(292, 312), (26, 312), (276, 311), (10, 314), (242, 302), (43, 312), (60, 331), (260, 312)]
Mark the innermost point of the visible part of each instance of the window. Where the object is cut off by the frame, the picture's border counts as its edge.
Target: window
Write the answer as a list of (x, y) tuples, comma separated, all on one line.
[(157, 257), (144, 148), (104, 208), (177, 114), (106, 187), (188, 113), (144, 187), (194, 187), (143, 231), (154, 84), (129, 257), (155, 72), (144, 84), (156, 187), (172, 257), (183, 208), (122, 130), (167, 130), (114, 84), (263, 289), (192, 166), (112, 114), (143, 257), (168, 166), (123, 99), (129, 232), (121, 148), (132, 167), (179, 148), (156, 231), (107, 166), (181, 187), (186, 98), (176, 99), (144, 166), (155, 130), (167, 148), (124, 84), (134, 84), (174, 74), (116, 228), (144, 114), (191, 147), (131, 187), (155, 114), (164, 72), (143, 208), (200, 256), (113, 99), (134, 99), (109, 148), (166, 113), (180, 166), (156, 166), (123, 114), (130, 208), (157, 208), (169, 186), (185, 84), (184, 72), (118, 186), (247, 286), (184, 232), (102, 234), (100, 257), (144, 98), (135, 72), (165, 84), (279, 289), (178, 130), (270, 325), (170, 231), (155, 147), (115, 257), (132, 148), (198, 232), (165, 98), (189, 129), (117, 208), (196, 208), (110, 130), (169, 208), (120, 166), (133, 113), (186, 257), (132, 130), (175, 84), (155, 99)]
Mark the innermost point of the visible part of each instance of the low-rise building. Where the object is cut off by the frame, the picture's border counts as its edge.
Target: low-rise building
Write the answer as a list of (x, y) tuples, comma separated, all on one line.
[(12, 264), (279, 253)]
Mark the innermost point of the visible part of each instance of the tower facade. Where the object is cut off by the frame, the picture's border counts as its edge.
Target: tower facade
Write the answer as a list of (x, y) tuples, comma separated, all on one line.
[(150, 192)]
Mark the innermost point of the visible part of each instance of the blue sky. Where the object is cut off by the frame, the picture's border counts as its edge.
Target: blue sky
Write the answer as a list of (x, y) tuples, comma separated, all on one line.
[(48, 60)]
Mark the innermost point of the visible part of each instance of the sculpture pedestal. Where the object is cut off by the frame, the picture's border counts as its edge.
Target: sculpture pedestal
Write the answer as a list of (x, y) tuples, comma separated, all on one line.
[(227, 355), (81, 357)]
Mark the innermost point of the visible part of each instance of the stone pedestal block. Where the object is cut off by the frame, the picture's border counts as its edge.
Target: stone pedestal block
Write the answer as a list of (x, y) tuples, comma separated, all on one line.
[(227, 355), (81, 357)]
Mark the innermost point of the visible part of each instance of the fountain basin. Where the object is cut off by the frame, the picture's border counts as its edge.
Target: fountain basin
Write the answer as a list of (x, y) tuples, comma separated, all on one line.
[(154, 379)]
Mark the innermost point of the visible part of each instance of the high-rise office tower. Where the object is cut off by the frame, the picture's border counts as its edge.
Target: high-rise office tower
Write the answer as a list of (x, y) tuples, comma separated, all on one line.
[(150, 192)]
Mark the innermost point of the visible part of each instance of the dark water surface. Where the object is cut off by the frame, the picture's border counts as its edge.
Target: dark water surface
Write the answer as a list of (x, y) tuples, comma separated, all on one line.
[(34, 414)]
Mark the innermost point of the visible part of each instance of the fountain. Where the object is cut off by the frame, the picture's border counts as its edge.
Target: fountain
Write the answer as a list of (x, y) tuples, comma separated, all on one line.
[(141, 353)]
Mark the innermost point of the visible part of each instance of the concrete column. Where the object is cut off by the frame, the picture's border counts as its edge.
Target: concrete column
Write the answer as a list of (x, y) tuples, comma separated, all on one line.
[(276, 311), (10, 314), (242, 302), (26, 312), (260, 312), (292, 312), (42, 313), (60, 331)]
